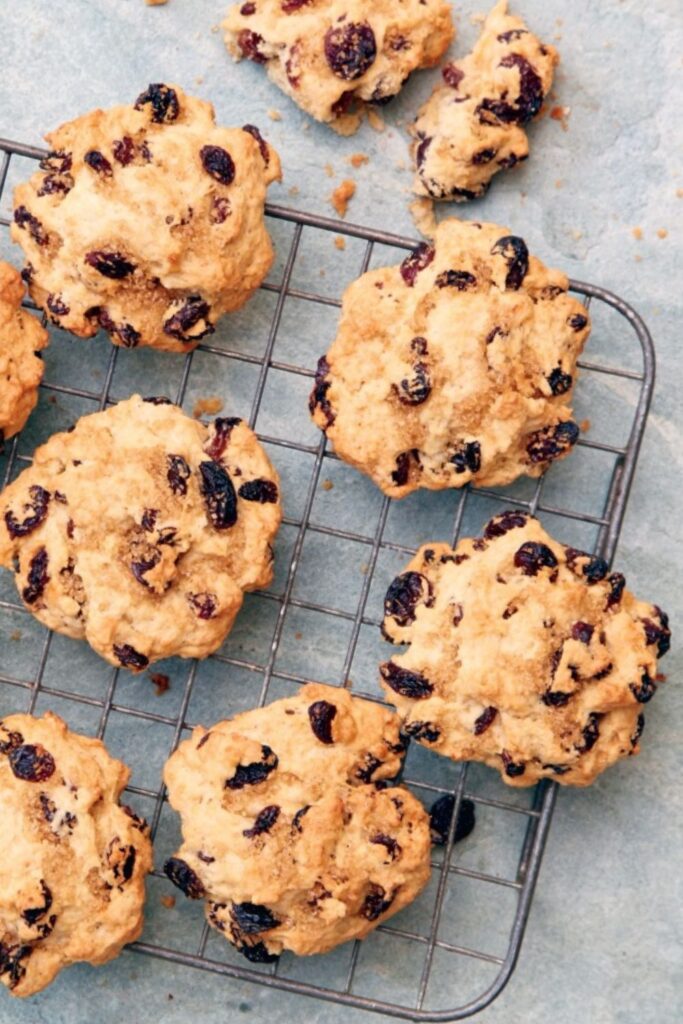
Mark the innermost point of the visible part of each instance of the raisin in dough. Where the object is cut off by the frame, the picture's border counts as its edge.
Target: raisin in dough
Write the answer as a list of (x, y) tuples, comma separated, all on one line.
[(72, 860), (457, 365), (287, 833), (523, 653), (21, 368), (147, 221), (141, 529), (334, 56), (473, 125)]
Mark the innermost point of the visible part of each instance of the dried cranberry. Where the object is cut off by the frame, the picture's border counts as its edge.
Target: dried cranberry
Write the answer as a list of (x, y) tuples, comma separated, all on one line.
[(11, 962), (24, 219), (262, 144), (138, 822), (552, 442), (418, 260), (421, 151), (57, 306), (557, 769), (110, 264), (560, 382), (220, 210), (121, 860), (128, 336), (163, 101), (424, 732), (484, 720), (640, 725), (204, 604), (643, 693), (321, 714), (37, 508), (582, 631), (419, 346), (252, 918), (515, 253), (177, 473), (318, 397), (491, 111), (350, 50), (452, 75), (130, 658), (404, 682), (265, 820), (219, 495), (512, 768), (416, 389), (218, 163), (530, 87), (58, 161), (247, 9), (577, 322), (33, 914), (468, 457), (296, 820), (31, 762), (532, 557), (501, 524), (590, 733), (460, 279), (484, 156), (124, 150), (370, 765), (188, 316), (389, 843), (9, 739), (376, 902), (404, 461), (182, 876), (249, 43), (404, 594), (556, 698), (661, 634), (441, 816), (263, 491), (158, 400), (595, 570), (140, 568), (617, 582), (257, 771), (37, 578), (342, 105), (98, 162), (513, 33), (257, 953)]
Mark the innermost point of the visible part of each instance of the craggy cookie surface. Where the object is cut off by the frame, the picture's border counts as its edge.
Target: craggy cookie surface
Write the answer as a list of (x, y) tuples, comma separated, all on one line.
[(524, 654), (21, 368), (330, 56), (285, 834), (141, 529), (457, 365), (147, 220), (473, 125), (72, 861)]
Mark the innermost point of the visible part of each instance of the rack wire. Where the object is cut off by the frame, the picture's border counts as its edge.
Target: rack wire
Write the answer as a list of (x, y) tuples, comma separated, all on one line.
[(409, 967)]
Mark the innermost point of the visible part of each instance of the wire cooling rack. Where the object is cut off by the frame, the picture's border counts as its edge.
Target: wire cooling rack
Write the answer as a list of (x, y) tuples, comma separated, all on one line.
[(453, 951)]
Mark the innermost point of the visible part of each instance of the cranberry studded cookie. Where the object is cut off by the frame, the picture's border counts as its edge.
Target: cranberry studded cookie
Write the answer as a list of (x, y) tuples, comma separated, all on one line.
[(522, 653), (473, 125), (21, 368), (147, 221), (141, 529), (288, 833), (456, 366), (73, 861), (332, 57)]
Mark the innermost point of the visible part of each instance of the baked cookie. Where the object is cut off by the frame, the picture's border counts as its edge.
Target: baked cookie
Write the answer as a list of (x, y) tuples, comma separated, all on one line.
[(21, 368), (472, 126), (73, 861), (523, 653), (288, 831), (140, 530), (456, 366), (147, 221), (334, 56)]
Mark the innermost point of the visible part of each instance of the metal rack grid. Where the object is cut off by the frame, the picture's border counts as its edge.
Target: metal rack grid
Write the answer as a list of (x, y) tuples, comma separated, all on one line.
[(426, 938)]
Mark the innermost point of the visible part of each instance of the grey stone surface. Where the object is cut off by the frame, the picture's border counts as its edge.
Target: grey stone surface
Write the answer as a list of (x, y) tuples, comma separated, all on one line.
[(604, 944)]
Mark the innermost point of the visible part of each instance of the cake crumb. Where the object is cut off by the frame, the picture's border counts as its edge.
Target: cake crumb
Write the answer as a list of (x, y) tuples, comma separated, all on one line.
[(638, 258), (561, 114), (160, 682), (637, 233), (329, 170), (298, 636), (274, 115), (478, 18), (215, 28), (15, 634), (342, 196), (422, 212), (358, 159), (327, 485), (364, 568), (294, 190), (340, 242), (662, 233), (679, 193), (155, 3), (576, 234), (585, 426), (199, 80), (559, 183), (168, 902), (207, 406), (375, 121)]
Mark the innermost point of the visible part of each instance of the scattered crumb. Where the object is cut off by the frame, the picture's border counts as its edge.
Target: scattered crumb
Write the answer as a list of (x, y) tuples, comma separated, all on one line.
[(15, 634), (478, 18), (679, 193), (294, 190), (215, 28), (329, 170), (327, 485), (400, 165), (199, 79), (660, 677), (161, 682), (342, 196), (169, 903), (375, 121), (274, 115), (207, 406), (559, 183), (422, 211), (52, 399), (358, 159), (364, 568), (340, 242), (662, 233), (576, 234), (585, 426), (298, 636), (306, 126), (637, 233), (561, 114), (155, 3), (638, 258), (170, 995)]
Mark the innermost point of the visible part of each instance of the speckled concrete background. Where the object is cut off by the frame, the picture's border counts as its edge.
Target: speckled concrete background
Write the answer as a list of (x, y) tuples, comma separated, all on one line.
[(604, 944)]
